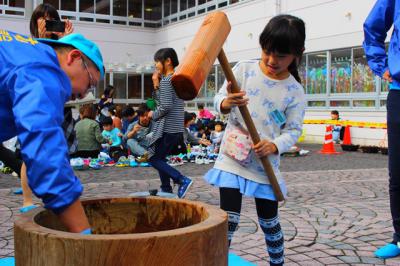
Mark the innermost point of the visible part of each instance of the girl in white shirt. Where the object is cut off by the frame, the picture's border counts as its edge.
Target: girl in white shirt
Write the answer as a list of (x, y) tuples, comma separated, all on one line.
[(272, 91)]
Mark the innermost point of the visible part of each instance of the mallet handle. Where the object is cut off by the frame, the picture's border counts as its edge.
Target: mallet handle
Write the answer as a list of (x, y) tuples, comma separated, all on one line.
[(250, 125)]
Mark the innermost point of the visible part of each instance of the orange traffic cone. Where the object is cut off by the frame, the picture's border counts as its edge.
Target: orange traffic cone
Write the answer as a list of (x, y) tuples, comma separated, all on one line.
[(347, 136), (346, 145), (328, 147)]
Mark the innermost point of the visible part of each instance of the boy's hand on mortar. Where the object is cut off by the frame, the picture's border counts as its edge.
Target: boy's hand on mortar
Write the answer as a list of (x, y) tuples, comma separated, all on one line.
[(264, 148), (233, 99)]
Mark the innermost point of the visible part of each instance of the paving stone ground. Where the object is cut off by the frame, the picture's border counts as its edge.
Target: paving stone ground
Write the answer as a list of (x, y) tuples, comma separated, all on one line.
[(337, 210)]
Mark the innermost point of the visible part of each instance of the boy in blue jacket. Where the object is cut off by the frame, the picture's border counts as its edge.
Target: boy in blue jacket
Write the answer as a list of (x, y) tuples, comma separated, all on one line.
[(383, 15), (36, 78)]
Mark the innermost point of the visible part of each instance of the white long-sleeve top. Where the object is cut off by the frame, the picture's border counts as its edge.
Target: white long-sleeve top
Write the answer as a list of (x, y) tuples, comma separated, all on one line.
[(265, 95)]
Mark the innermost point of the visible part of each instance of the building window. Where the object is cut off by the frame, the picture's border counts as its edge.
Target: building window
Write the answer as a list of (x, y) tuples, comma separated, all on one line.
[(363, 77), (68, 5), (16, 3), (210, 83), (383, 103), (103, 7), (54, 3), (101, 85), (120, 8), (364, 103), (134, 86), (341, 71), (316, 103), (303, 71), (316, 73), (120, 85), (173, 7), (339, 103), (152, 10), (86, 6), (384, 85), (148, 86), (220, 77), (135, 8)]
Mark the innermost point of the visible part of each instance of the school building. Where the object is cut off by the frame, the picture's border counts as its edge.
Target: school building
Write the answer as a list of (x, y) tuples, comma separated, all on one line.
[(334, 70)]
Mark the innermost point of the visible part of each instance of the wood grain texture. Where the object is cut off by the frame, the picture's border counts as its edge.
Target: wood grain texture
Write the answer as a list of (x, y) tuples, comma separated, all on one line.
[(200, 55), (127, 231)]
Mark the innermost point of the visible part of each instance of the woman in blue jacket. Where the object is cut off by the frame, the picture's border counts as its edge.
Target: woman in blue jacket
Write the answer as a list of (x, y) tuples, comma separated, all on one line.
[(383, 16)]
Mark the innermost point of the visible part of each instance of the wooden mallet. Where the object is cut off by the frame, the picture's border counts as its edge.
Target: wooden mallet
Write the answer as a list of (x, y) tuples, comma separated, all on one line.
[(195, 66)]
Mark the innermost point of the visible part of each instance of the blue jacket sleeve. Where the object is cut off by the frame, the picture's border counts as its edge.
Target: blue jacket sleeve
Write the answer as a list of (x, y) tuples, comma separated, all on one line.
[(376, 27), (38, 96)]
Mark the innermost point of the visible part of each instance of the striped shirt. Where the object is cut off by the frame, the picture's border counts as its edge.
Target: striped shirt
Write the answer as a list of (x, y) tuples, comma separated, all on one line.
[(169, 114)]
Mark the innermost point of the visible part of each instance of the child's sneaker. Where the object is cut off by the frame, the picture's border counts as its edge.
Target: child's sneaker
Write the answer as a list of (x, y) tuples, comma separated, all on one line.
[(389, 251), (144, 158), (199, 160), (27, 208), (6, 170), (122, 162), (144, 164), (109, 163), (77, 163), (18, 191), (94, 165), (184, 187), (133, 163)]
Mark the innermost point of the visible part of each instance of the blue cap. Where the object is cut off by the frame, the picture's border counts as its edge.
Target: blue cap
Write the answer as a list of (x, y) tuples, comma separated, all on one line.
[(88, 48)]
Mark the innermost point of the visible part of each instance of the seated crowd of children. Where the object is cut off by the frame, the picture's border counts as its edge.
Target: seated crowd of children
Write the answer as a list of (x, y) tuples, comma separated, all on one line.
[(110, 135)]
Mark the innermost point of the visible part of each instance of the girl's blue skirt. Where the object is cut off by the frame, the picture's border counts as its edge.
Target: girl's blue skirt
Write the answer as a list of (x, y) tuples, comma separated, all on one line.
[(247, 187)]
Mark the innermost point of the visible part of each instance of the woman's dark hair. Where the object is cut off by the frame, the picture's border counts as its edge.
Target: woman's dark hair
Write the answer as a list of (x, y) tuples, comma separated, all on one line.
[(42, 11), (163, 54), (109, 91), (285, 34)]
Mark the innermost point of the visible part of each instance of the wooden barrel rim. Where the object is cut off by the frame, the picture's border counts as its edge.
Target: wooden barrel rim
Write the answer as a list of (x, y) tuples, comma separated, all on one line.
[(215, 216)]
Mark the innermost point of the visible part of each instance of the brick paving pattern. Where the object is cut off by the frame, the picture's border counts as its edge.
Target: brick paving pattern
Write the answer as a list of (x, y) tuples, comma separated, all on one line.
[(337, 211)]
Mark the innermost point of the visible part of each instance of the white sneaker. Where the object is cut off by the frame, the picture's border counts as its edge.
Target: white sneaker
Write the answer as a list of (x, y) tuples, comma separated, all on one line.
[(199, 160), (206, 161), (77, 163)]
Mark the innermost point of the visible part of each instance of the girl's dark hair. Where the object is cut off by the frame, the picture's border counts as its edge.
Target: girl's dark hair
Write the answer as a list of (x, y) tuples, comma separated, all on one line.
[(42, 11), (163, 54), (285, 34), (109, 91), (88, 111)]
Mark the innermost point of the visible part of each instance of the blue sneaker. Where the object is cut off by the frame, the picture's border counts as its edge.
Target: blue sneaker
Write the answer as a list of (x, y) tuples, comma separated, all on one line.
[(133, 163), (18, 191), (10, 261), (27, 208), (184, 187), (389, 251)]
